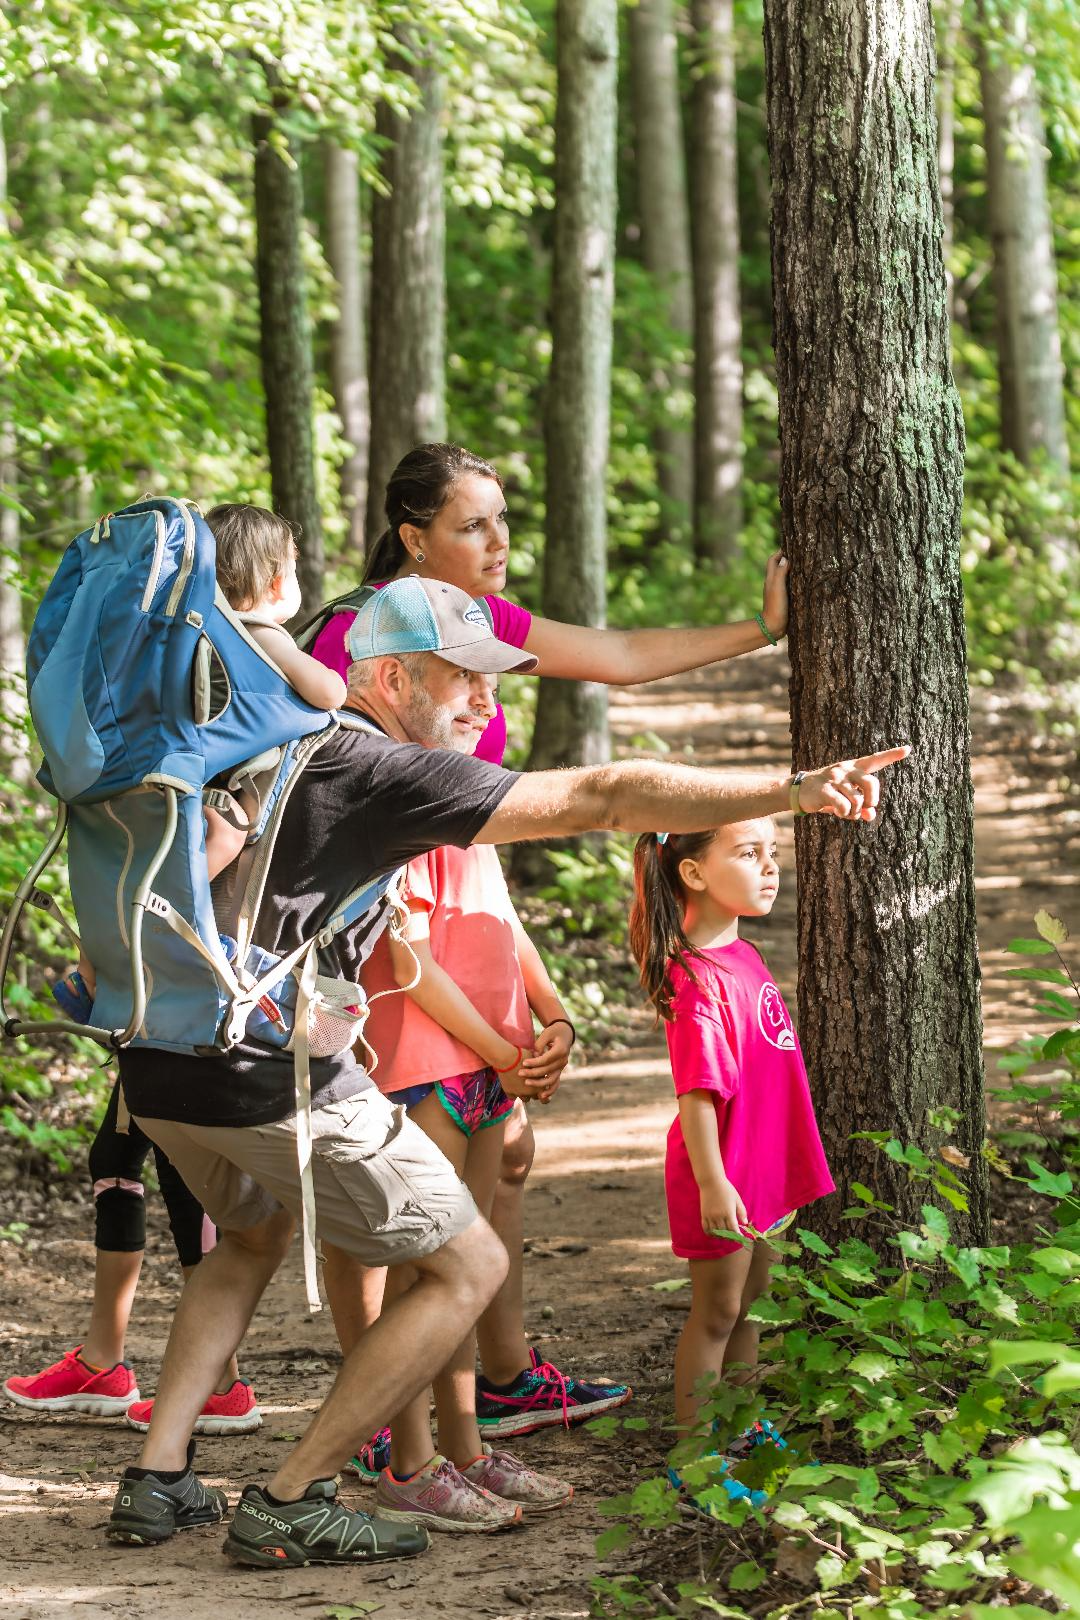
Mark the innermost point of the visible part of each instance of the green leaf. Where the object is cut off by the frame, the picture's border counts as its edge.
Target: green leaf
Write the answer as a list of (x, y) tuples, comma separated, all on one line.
[(830, 1570), (1062, 1043), (873, 1366), (811, 1241), (1042, 1181), (351, 1611), (1051, 1539), (746, 1576), (1047, 975), (945, 1449), (936, 1222), (670, 1285), (613, 1540), (1051, 928), (1029, 947)]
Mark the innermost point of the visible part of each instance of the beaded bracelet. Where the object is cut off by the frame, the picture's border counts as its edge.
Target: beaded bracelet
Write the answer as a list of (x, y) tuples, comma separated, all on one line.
[(759, 619)]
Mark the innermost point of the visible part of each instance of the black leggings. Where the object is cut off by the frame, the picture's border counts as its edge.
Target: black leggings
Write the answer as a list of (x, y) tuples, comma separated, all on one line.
[(116, 1165)]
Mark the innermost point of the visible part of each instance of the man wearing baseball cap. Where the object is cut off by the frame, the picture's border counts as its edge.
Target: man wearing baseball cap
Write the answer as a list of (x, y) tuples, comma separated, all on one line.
[(368, 802)]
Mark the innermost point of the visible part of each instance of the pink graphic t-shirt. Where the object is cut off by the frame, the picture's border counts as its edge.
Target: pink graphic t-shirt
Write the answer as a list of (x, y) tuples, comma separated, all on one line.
[(471, 920), (511, 624), (732, 1035)]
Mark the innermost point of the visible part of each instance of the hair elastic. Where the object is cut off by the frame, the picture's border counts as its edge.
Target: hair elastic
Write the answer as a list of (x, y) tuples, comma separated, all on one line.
[(662, 838)]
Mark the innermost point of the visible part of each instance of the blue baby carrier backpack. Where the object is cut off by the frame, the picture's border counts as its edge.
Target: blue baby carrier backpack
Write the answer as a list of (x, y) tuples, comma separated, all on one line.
[(150, 699)]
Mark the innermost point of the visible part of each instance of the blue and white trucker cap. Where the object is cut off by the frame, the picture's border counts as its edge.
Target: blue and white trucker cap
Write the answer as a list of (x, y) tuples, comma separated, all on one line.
[(415, 615)]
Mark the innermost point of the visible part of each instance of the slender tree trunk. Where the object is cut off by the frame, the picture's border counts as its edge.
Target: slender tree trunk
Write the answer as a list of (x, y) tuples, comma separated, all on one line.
[(408, 291), (16, 763), (950, 16), (1021, 235), (571, 716), (717, 316), (348, 339), (665, 223), (285, 344), (871, 482)]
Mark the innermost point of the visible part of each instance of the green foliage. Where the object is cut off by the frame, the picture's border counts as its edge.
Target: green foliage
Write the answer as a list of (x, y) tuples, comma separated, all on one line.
[(931, 1392)]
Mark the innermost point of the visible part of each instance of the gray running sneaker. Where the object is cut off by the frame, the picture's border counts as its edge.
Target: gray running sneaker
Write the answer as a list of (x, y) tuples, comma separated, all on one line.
[(316, 1530), (146, 1511)]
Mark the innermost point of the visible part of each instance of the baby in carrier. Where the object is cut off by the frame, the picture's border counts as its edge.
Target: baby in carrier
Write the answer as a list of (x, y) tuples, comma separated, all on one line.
[(256, 572)]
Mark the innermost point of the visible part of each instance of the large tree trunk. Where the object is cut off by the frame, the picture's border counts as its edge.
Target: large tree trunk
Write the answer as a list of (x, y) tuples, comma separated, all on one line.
[(871, 482), (717, 318), (571, 716), (949, 40), (1021, 235), (14, 761), (285, 345), (408, 286), (665, 224), (348, 338)]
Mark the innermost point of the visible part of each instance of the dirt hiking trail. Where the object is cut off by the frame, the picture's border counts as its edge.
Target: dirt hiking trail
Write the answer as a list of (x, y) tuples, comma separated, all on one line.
[(598, 1237)]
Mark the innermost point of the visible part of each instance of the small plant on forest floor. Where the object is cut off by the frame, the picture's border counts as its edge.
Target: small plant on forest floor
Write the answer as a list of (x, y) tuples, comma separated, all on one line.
[(930, 1394)]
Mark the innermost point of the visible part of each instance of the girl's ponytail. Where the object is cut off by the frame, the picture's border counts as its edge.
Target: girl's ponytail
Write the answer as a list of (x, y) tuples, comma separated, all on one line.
[(656, 916)]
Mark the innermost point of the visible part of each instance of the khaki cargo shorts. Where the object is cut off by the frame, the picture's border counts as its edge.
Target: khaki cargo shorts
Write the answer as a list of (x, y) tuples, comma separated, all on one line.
[(383, 1190)]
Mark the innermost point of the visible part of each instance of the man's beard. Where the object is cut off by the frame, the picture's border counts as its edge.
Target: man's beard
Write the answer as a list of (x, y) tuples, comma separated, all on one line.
[(433, 726)]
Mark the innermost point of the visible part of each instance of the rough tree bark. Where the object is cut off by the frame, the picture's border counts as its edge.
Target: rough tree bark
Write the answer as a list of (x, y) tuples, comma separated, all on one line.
[(285, 344), (949, 39), (408, 292), (717, 317), (16, 763), (871, 481), (571, 716), (1021, 236), (348, 338), (665, 224)]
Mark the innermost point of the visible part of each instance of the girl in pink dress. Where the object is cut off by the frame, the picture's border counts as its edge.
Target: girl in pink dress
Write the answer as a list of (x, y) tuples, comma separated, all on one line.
[(743, 1152)]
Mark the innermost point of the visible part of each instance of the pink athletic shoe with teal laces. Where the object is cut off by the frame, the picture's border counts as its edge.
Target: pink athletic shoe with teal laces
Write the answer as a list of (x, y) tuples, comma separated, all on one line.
[(69, 1385), (542, 1397)]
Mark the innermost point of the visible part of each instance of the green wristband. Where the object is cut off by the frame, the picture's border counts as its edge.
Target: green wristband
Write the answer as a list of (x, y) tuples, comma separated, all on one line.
[(759, 619), (793, 794)]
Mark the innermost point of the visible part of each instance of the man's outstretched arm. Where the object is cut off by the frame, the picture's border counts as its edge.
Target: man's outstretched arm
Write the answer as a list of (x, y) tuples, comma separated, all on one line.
[(643, 796)]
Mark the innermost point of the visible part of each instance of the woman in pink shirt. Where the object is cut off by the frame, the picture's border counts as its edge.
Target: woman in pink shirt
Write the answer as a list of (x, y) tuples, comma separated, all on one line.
[(743, 1152), (447, 519)]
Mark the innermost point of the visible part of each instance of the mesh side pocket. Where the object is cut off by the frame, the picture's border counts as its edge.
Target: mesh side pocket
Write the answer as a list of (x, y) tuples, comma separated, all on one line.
[(336, 1016)]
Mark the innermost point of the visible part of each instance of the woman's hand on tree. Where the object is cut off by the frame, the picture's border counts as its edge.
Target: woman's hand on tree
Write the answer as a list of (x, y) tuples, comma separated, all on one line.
[(774, 599), (722, 1210), (849, 790)]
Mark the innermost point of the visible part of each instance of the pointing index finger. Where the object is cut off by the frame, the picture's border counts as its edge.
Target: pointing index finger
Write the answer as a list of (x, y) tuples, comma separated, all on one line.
[(877, 762)]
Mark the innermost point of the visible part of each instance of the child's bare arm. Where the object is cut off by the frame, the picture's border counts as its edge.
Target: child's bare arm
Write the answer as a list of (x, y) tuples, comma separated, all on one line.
[(321, 687), (722, 1210), (436, 994), (552, 1047)]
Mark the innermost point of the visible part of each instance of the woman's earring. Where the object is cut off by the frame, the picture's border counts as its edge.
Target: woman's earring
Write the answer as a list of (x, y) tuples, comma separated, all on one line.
[(420, 556)]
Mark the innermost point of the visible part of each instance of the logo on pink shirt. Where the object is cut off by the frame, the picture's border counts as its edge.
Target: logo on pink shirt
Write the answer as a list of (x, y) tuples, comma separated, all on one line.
[(774, 1020)]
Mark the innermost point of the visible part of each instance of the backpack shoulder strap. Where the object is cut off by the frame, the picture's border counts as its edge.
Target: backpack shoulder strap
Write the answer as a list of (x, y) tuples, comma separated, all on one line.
[(349, 602)]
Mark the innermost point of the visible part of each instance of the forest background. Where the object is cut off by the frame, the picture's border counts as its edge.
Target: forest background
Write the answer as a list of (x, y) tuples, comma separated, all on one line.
[(255, 252)]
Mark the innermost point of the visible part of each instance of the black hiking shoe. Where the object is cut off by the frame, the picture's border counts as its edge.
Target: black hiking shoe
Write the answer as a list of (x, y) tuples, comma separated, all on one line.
[(150, 1510), (316, 1530)]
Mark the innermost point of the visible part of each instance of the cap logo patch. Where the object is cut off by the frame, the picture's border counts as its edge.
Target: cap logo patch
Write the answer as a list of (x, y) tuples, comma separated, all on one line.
[(474, 614)]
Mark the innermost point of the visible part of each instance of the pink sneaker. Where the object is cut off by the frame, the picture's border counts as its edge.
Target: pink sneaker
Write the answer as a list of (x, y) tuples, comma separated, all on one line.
[(440, 1498), (235, 1412), (509, 1478), (69, 1385)]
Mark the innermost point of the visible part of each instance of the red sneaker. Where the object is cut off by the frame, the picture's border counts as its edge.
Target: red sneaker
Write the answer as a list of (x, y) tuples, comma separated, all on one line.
[(69, 1385), (235, 1412)]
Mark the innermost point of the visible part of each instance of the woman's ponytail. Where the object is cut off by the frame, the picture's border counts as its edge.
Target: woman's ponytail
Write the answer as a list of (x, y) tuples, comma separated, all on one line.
[(657, 937), (383, 559)]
